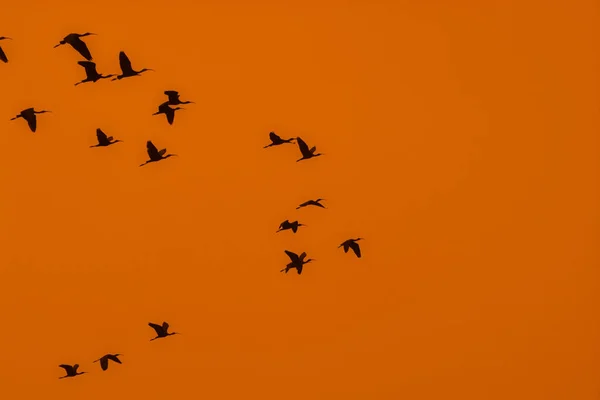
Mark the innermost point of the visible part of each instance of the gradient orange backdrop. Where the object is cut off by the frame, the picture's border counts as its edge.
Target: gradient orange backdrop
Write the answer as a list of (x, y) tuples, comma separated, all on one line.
[(460, 139)]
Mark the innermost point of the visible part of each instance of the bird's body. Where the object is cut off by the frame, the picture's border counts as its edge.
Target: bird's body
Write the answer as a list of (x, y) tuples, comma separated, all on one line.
[(306, 152), (174, 100), (126, 69), (162, 331), (2, 53), (155, 154), (351, 244), (91, 73), (316, 202), (104, 140), (29, 116), (285, 225), (71, 371), (104, 360), (276, 140), (296, 262), (74, 39), (168, 111)]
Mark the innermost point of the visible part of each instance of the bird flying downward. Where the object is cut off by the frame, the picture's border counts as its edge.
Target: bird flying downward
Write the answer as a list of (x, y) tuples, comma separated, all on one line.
[(74, 39), (29, 116), (104, 140), (126, 69), (351, 244), (316, 202), (2, 53), (306, 152), (104, 360), (296, 262), (91, 73), (168, 111), (71, 371), (174, 100), (155, 154), (276, 140), (285, 225), (161, 330)]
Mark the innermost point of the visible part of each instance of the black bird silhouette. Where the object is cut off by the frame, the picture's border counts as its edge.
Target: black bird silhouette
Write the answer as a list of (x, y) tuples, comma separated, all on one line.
[(29, 116), (285, 225), (2, 54), (297, 262), (161, 330), (351, 244), (91, 73), (104, 140), (174, 98), (104, 360), (276, 140), (306, 152), (168, 111), (316, 202), (71, 370), (126, 69), (155, 154), (74, 39)]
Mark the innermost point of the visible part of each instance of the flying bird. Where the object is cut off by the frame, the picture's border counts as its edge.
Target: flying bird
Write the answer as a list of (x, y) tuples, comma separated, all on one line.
[(126, 69), (297, 262), (2, 54), (29, 116), (74, 39), (161, 330), (174, 98), (155, 154), (316, 202), (306, 152), (91, 74), (104, 360), (104, 140), (71, 370), (285, 225), (276, 140), (351, 244), (168, 111)]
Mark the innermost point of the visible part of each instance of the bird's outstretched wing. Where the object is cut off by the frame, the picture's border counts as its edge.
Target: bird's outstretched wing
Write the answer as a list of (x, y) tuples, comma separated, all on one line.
[(157, 328), (81, 48), (170, 116), (101, 136), (162, 152), (104, 363), (165, 327), (68, 368), (3, 56), (303, 146), (346, 246), (292, 256), (274, 137), (356, 248), (152, 150), (302, 256), (124, 62), (113, 358), (299, 269), (306, 203), (313, 149), (75, 367), (32, 122), (172, 94)]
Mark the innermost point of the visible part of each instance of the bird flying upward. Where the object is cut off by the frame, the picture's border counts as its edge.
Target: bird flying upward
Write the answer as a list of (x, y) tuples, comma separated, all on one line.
[(351, 244), (104, 360), (155, 154), (168, 111), (276, 140), (296, 262), (162, 331), (91, 74), (306, 152), (2, 53), (29, 116), (71, 371), (126, 69), (316, 202), (74, 39), (104, 140), (174, 100), (285, 225)]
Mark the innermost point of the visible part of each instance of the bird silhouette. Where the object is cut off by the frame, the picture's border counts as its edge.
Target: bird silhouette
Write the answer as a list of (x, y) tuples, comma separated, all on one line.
[(71, 371), (161, 330), (351, 244), (126, 69), (297, 262), (306, 152), (104, 140), (91, 73), (104, 360), (29, 116), (168, 111), (74, 39), (155, 154), (174, 98), (276, 140), (2, 53), (285, 225), (316, 202)]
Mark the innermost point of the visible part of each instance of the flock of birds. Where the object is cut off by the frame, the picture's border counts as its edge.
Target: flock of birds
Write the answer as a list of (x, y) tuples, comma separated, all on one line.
[(29, 115)]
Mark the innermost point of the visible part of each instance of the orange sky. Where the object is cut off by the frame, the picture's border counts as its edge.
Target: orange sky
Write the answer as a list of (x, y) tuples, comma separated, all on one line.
[(460, 140)]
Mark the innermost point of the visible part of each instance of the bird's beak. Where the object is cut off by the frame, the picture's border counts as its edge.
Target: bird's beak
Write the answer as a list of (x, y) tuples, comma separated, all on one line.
[(6, 37)]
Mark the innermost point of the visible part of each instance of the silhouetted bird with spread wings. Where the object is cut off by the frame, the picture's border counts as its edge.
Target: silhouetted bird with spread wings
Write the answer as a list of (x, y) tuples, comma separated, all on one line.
[(316, 202), (104, 140), (71, 371), (162, 331), (126, 69), (351, 244), (2, 53), (168, 111), (174, 100), (285, 225), (74, 39), (104, 360), (91, 74), (276, 140), (297, 262), (306, 152), (29, 116), (155, 154)]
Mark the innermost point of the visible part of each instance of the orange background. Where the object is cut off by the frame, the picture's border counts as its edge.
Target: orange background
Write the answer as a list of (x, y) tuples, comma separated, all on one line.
[(460, 139)]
